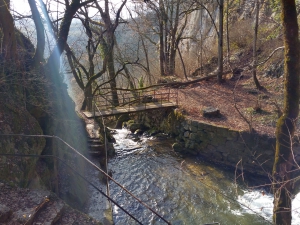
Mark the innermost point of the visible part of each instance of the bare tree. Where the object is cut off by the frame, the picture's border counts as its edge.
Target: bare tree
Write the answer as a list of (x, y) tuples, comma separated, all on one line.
[(172, 17), (107, 43)]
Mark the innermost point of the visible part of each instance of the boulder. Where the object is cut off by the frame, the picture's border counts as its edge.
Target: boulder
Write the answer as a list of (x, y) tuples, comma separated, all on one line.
[(211, 112), (123, 118), (134, 126), (5, 213), (186, 134), (177, 147), (139, 132)]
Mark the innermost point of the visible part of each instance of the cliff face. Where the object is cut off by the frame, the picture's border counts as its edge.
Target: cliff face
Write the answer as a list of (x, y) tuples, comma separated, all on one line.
[(203, 24), (199, 27), (15, 120), (33, 103)]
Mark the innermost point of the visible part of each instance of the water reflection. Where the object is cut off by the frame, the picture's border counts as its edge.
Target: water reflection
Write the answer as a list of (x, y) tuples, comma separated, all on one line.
[(184, 191)]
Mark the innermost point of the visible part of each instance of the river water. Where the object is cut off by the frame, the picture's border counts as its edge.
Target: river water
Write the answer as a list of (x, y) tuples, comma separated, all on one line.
[(185, 191)]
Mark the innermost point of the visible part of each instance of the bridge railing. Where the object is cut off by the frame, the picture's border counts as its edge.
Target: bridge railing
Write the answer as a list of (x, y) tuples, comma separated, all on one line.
[(129, 99)]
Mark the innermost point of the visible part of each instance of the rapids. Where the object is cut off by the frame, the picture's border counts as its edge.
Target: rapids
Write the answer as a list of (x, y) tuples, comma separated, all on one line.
[(185, 191), (182, 190)]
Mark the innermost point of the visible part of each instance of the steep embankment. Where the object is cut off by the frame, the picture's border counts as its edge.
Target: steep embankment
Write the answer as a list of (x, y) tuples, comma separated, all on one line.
[(35, 101), (15, 120)]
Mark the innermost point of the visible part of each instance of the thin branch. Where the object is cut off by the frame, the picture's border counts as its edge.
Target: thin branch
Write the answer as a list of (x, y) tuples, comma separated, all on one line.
[(275, 50)]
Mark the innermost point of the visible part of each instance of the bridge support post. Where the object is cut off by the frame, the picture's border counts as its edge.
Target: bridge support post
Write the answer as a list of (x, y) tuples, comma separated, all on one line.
[(94, 108), (129, 104), (176, 97)]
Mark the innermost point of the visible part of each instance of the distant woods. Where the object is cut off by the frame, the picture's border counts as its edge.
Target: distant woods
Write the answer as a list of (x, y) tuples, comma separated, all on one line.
[(110, 46)]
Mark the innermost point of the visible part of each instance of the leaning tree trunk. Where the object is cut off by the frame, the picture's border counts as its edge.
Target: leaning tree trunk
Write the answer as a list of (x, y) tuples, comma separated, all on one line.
[(286, 125)]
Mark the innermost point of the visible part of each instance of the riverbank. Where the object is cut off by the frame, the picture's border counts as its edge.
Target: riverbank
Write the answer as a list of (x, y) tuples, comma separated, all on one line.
[(236, 96), (26, 206), (225, 139)]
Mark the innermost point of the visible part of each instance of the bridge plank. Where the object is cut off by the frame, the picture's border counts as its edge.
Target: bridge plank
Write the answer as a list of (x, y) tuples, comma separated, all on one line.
[(131, 109)]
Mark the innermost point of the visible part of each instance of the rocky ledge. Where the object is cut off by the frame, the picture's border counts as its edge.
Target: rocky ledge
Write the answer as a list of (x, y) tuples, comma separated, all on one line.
[(25, 206)]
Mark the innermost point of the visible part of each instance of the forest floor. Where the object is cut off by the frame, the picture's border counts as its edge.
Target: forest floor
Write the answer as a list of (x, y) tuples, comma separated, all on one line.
[(260, 107)]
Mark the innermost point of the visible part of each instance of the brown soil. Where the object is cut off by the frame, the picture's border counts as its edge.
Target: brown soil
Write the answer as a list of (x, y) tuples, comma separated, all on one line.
[(258, 107)]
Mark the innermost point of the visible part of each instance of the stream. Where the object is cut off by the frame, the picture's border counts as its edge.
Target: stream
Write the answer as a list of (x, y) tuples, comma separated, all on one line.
[(185, 191)]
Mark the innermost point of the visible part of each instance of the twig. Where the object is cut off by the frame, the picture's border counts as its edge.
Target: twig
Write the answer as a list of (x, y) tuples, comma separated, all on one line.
[(272, 53), (36, 211), (241, 114)]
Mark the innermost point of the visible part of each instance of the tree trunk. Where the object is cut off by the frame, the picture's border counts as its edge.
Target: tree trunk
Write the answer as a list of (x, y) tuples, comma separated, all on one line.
[(227, 34), (54, 59), (283, 164), (147, 61), (257, 84), (8, 39), (220, 45), (171, 60), (91, 53), (112, 74), (183, 66), (88, 94), (40, 34), (161, 49)]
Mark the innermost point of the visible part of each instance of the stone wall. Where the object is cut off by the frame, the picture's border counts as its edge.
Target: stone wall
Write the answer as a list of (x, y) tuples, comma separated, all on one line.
[(252, 152)]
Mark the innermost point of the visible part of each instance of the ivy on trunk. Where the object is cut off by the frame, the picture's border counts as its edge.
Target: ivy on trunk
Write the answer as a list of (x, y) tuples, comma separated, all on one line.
[(286, 125)]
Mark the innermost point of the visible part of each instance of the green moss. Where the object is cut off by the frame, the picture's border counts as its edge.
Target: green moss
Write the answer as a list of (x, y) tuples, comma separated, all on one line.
[(171, 124)]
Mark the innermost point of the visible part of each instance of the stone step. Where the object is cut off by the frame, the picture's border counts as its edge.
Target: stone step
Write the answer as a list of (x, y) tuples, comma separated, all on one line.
[(95, 153), (51, 213), (72, 216), (100, 148), (96, 150), (20, 206), (94, 141), (25, 205)]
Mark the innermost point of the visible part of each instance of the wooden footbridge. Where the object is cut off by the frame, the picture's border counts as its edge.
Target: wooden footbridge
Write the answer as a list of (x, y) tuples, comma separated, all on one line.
[(133, 101)]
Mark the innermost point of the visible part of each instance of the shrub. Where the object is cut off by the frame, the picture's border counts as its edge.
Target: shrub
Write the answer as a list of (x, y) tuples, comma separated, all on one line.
[(241, 34)]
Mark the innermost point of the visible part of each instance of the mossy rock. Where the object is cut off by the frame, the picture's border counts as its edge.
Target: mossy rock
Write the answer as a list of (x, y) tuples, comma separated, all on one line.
[(136, 126), (177, 147), (123, 118), (139, 132)]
